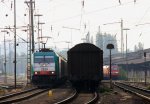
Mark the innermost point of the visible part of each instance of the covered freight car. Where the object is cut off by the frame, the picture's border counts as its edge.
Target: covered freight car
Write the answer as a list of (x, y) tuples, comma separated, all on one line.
[(85, 66)]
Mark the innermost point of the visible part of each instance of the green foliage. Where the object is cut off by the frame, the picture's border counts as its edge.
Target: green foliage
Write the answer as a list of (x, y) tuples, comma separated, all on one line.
[(104, 90), (148, 88), (122, 74)]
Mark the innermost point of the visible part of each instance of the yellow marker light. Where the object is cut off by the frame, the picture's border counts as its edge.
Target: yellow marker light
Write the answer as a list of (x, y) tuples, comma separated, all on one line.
[(50, 93)]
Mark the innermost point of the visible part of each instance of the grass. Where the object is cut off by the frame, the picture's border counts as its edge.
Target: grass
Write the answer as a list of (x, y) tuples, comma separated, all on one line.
[(104, 90)]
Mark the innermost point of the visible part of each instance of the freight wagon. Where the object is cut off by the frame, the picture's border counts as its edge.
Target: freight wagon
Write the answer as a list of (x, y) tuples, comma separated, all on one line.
[(85, 66)]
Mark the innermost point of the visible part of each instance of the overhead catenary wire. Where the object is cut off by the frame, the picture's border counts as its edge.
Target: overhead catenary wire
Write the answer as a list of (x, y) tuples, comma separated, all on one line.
[(85, 13), (91, 12), (98, 10), (10, 8), (120, 1), (145, 13)]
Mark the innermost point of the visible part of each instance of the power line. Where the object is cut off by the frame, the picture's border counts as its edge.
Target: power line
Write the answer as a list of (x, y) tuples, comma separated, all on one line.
[(9, 8), (91, 12), (144, 14), (120, 1)]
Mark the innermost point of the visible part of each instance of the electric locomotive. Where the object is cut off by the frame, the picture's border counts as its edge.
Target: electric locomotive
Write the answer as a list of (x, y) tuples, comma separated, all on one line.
[(49, 68), (114, 72)]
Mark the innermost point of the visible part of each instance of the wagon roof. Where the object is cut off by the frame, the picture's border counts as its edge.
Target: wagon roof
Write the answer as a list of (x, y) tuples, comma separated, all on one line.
[(85, 47)]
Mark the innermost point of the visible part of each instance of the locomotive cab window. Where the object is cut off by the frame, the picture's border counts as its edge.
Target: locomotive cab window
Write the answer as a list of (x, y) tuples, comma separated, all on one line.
[(44, 63), (44, 59)]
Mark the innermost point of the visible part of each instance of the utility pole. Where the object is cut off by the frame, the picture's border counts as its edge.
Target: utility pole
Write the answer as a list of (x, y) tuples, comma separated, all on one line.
[(41, 23), (32, 25), (15, 42), (38, 15), (71, 32), (122, 42), (27, 74), (5, 80), (5, 59), (68, 44), (145, 67), (10, 58), (102, 38), (31, 39), (126, 51)]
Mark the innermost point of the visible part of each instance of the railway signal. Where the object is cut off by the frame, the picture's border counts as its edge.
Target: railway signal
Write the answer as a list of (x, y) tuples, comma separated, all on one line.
[(110, 46), (145, 66)]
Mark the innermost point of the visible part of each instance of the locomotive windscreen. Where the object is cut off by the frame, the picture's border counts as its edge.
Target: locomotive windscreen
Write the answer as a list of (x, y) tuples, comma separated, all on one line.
[(44, 59), (44, 63)]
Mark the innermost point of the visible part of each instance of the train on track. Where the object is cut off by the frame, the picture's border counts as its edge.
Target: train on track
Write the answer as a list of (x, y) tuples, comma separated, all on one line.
[(85, 66), (114, 72), (49, 68)]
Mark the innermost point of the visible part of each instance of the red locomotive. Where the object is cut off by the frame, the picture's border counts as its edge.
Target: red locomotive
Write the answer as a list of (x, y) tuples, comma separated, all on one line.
[(114, 72)]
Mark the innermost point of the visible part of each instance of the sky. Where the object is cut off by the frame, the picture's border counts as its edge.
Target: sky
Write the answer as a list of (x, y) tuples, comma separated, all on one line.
[(62, 15)]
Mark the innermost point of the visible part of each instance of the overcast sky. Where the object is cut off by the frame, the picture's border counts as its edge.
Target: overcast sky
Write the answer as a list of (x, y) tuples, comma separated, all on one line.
[(72, 14)]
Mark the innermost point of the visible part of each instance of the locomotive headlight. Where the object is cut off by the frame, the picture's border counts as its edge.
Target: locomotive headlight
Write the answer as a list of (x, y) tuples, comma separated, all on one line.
[(52, 72), (35, 72)]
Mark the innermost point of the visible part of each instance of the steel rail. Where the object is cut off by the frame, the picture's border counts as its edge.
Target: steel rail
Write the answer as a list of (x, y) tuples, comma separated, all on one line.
[(15, 94), (70, 98), (123, 86), (22, 98), (139, 88), (95, 98)]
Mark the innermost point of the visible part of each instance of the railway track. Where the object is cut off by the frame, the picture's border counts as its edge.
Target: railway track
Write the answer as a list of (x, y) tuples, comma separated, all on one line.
[(80, 98), (16, 97), (142, 93)]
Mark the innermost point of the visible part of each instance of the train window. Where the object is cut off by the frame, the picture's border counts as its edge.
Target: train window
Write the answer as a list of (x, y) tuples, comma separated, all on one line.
[(115, 69), (44, 69), (42, 59)]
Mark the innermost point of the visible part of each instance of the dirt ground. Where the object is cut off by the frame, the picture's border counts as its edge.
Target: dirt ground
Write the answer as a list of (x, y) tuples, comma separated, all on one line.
[(115, 96), (118, 96), (51, 97)]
